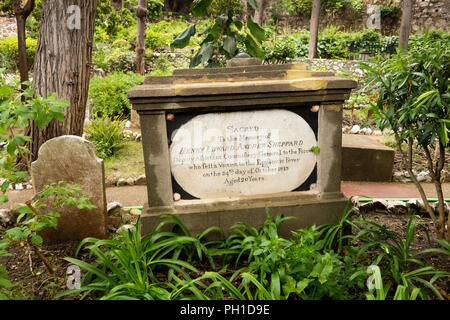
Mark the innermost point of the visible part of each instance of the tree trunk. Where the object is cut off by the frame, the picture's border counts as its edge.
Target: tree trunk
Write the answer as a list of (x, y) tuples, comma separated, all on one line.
[(63, 63), (141, 13), (314, 29), (259, 15), (405, 24), (22, 14)]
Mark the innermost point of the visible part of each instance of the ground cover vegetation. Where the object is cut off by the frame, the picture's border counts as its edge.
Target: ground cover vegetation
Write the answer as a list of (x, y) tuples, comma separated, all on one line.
[(321, 262)]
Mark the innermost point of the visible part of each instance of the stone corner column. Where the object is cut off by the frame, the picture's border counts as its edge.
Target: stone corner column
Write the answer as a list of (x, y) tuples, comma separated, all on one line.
[(157, 159), (330, 145)]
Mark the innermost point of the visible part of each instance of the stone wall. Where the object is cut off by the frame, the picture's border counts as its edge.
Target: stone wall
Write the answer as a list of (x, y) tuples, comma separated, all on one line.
[(7, 27), (427, 14), (347, 68)]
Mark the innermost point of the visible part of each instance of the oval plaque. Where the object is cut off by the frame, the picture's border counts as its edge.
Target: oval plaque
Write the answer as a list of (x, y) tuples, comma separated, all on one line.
[(218, 155)]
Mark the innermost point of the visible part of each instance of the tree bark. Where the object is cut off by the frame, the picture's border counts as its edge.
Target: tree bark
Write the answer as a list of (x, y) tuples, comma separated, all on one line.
[(21, 14), (63, 64), (314, 29), (141, 13), (405, 24), (259, 15)]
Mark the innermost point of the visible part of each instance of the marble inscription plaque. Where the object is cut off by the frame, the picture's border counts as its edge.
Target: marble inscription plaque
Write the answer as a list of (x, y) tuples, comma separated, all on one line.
[(219, 155)]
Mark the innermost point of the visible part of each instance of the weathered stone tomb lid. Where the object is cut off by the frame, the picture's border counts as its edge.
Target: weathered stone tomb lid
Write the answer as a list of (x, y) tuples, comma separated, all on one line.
[(247, 79)]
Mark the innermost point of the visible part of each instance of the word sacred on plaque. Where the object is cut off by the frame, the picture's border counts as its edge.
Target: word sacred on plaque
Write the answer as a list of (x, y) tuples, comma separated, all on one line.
[(219, 155)]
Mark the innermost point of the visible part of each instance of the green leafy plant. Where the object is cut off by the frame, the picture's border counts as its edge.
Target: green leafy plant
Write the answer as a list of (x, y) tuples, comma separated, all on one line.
[(33, 217), (4, 282), (403, 265), (10, 53), (265, 251), (114, 58), (413, 101), (17, 110), (223, 36), (301, 267), (304, 7), (106, 134), (108, 95), (391, 11), (282, 49), (406, 291), (128, 266)]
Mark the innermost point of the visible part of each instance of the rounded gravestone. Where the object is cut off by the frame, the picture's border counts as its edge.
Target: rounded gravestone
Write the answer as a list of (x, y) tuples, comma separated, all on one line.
[(72, 159), (243, 153)]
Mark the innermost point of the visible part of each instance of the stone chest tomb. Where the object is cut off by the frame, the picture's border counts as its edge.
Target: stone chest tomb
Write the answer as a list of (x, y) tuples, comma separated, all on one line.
[(222, 144)]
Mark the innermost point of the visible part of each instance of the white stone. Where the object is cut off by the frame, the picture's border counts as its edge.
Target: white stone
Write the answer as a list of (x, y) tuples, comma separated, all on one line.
[(368, 131), (121, 182), (124, 228), (19, 186), (128, 124), (446, 207), (5, 218), (355, 129), (424, 176), (219, 155), (377, 133)]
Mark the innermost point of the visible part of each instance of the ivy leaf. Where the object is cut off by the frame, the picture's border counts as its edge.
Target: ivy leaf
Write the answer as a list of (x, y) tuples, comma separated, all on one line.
[(183, 39), (199, 7)]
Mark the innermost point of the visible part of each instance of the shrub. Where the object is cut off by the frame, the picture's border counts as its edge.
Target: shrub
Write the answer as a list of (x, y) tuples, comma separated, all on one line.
[(304, 7), (367, 41), (114, 58), (108, 95), (281, 49), (162, 33), (162, 66), (106, 134), (414, 102), (110, 21), (9, 52), (154, 8)]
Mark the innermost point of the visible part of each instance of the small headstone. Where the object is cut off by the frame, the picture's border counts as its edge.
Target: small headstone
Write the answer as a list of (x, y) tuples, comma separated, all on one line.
[(72, 159), (242, 60)]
